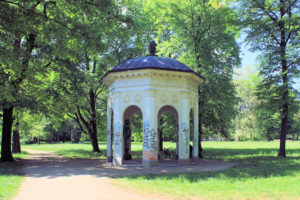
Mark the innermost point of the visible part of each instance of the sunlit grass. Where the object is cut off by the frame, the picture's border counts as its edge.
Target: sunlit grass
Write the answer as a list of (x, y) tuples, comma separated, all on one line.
[(11, 177), (71, 150), (261, 176)]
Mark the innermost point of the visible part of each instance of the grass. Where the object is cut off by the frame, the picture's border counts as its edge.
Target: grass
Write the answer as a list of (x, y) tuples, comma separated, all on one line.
[(11, 177), (262, 176), (84, 150), (71, 150)]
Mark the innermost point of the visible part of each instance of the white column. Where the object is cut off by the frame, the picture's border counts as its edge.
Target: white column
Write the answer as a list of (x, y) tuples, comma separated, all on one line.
[(184, 133), (109, 132), (196, 129), (118, 132), (150, 133)]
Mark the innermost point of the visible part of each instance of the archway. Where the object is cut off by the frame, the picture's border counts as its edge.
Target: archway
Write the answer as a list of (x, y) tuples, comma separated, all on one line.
[(168, 131), (132, 130)]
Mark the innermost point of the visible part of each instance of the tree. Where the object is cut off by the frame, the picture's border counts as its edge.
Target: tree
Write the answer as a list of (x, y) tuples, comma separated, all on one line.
[(202, 34), (273, 27), (16, 50), (246, 125), (35, 34)]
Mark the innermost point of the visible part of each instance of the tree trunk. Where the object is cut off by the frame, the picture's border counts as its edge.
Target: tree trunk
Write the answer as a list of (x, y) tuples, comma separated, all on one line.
[(285, 94), (6, 154), (16, 147), (57, 137), (64, 137), (200, 150), (94, 142), (93, 134)]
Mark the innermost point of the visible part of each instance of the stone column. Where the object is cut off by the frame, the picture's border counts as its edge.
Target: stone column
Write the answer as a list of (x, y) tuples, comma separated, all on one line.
[(118, 132), (150, 134), (196, 130), (184, 133), (109, 133)]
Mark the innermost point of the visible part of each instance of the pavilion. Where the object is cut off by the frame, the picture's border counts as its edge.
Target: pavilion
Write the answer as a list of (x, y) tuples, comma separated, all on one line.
[(151, 85)]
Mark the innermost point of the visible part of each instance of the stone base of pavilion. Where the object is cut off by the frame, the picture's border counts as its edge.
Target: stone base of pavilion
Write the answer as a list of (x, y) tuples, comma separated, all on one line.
[(135, 167)]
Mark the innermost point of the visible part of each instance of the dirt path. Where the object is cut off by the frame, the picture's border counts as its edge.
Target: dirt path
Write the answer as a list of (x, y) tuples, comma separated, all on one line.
[(51, 177)]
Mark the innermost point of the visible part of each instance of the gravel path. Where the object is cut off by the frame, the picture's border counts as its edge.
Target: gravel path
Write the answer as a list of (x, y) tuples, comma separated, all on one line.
[(51, 177)]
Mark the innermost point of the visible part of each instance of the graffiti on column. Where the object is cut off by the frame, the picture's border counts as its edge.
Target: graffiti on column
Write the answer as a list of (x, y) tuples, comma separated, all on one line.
[(117, 134), (153, 140), (185, 137), (146, 127), (150, 155), (150, 143)]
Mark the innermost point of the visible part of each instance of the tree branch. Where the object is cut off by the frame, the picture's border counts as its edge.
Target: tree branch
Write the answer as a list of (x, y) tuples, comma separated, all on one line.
[(87, 98), (274, 19), (46, 5), (85, 123), (100, 91), (78, 122), (84, 34)]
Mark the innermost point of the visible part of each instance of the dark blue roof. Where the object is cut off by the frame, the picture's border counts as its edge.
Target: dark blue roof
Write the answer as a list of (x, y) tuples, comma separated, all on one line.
[(152, 62)]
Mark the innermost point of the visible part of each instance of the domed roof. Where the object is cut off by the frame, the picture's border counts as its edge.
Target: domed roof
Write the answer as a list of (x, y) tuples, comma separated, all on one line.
[(152, 62)]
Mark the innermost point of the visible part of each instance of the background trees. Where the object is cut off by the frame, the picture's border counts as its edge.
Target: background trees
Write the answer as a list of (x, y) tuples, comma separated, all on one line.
[(41, 40), (197, 33), (246, 125), (273, 28)]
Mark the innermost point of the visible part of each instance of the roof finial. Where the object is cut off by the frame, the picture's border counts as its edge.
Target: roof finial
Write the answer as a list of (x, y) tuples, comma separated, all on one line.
[(152, 48)]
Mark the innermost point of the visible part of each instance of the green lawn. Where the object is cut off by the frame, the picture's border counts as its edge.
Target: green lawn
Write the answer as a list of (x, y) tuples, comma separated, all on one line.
[(263, 176), (71, 150), (11, 177)]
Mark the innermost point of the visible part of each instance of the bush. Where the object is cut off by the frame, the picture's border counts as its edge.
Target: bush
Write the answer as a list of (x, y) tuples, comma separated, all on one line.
[(137, 136)]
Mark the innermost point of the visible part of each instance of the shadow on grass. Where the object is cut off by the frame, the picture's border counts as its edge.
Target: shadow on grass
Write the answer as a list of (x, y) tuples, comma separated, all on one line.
[(81, 153), (13, 168), (235, 154), (254, 163)]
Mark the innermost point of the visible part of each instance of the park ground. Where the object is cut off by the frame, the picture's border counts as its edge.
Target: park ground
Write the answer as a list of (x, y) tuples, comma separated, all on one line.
[(258, 175)]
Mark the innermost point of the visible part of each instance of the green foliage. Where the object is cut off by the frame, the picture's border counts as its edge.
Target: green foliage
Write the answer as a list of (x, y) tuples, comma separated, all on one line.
[(137, 127), (201, 34), (69, 150), (246, 125), (295, 126), (33, 125), (168, 126), (273, 28)]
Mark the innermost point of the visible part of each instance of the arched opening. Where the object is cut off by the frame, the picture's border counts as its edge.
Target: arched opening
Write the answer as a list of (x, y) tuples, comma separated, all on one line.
[(132, 131), (168, 133), (192, 144)]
